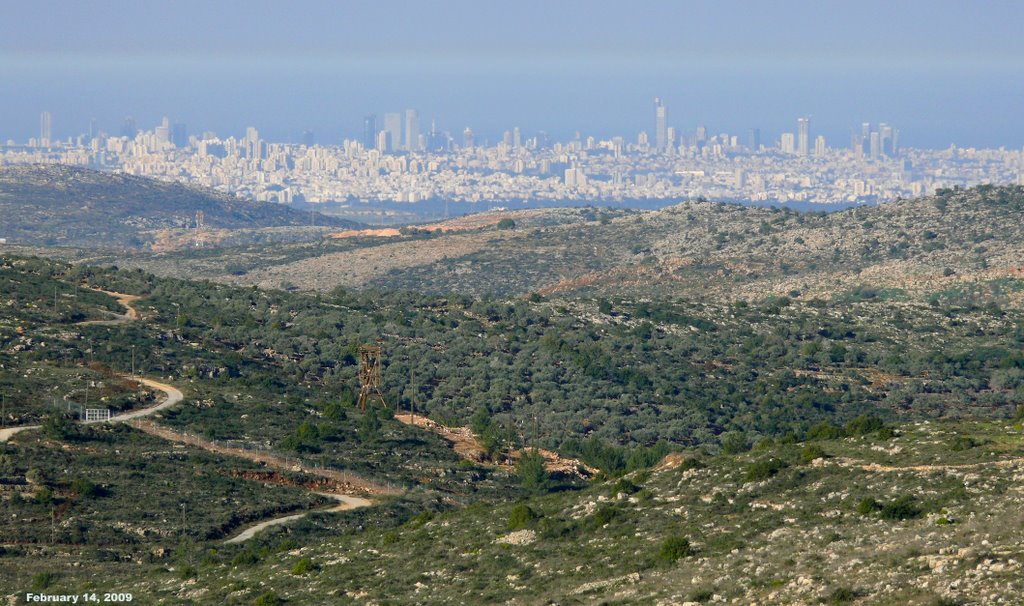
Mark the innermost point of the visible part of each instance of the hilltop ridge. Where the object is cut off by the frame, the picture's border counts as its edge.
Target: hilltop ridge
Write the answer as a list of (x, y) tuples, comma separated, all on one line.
[(58, 205)]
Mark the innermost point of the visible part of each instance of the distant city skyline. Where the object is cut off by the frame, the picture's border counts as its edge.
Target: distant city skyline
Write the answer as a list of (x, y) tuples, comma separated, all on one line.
[(948, 72)]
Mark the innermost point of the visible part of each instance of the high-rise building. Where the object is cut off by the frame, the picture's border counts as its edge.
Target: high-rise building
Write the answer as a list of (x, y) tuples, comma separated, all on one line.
[(384, 141), (412, 130), (45, 129), (803, 136), (467, 139), (128, 128), (179, 134), (308, 139), (885, 139), (787, 143), (754, 139), (369, 131), (517, 138), (93, 128), (874, 145), (660, 125), (819, 145), (393, 125)]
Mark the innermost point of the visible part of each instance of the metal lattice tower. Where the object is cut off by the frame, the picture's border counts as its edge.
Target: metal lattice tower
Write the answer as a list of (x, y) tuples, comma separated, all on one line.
[(369, 375)]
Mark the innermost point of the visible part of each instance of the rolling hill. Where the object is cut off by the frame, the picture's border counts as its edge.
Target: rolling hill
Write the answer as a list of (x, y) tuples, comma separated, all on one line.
[(56, 205)]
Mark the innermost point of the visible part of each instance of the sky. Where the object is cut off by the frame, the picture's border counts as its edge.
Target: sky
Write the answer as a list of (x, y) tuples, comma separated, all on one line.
[(941, 71)]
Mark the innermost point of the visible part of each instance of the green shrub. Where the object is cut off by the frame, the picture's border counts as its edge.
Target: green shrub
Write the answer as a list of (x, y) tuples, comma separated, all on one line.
[(303, 567), (811, 452), (86, 488), (824, 431), (764, 469), (531, 472), (903, 508), (842, 595), (734, 442), (867, 506), (605, 514), (43, 580), (674, 548), (521, 516), (624, 485), (692, 463), (268, 599), (506, 223), (863, 425)]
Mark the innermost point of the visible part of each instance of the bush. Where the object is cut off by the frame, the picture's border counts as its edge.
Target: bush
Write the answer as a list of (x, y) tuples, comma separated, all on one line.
[(734, 442), (86, 488), (58, 426), (811, 452), (863, 425), (764, 469), (303, 566), (506, 223), (673, 548), (268, 599), (824, 431), (605, 514), (867, 506), (521, 516), (903, 508), (43, 580), (624, 485), (531, 472), (842, 595)]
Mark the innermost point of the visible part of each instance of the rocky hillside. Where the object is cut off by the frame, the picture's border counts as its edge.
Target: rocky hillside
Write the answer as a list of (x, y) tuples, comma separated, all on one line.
[(923, 515), (964, 245), (55, 205)]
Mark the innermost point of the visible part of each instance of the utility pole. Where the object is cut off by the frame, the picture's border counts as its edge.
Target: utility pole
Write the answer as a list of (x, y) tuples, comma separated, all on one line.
[(133, 361)]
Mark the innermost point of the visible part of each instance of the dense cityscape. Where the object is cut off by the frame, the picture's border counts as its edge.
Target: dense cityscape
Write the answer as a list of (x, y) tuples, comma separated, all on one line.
[(399, 161)]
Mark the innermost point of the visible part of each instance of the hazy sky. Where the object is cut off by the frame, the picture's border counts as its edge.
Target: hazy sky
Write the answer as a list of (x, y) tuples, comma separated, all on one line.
[(941, 71)]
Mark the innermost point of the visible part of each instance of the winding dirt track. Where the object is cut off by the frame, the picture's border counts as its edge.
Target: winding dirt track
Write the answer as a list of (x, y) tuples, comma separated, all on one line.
[(172, 396)]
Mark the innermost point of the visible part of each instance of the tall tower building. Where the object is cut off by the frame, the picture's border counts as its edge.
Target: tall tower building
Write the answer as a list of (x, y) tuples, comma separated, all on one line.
[(45, 129), (412, 130), (787, 144), (819, 146), (803, 136), (393, 126), (660, 125), (128, 129), (467, 139), (885, 139), (369, 131), (754, 140)]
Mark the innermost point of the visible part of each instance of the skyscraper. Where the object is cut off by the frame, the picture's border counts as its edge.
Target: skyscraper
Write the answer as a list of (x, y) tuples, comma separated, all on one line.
[(179, 134), (467, 138), (45, 129), (660, 125), (803, 135), (393, 126), (412, 130), (786, 143), (128, 129), (369, 131), (754, 139)]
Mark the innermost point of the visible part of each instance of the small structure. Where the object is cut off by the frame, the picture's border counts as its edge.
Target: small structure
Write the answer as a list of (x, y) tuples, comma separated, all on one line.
[(369, 375), (96, 415)]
